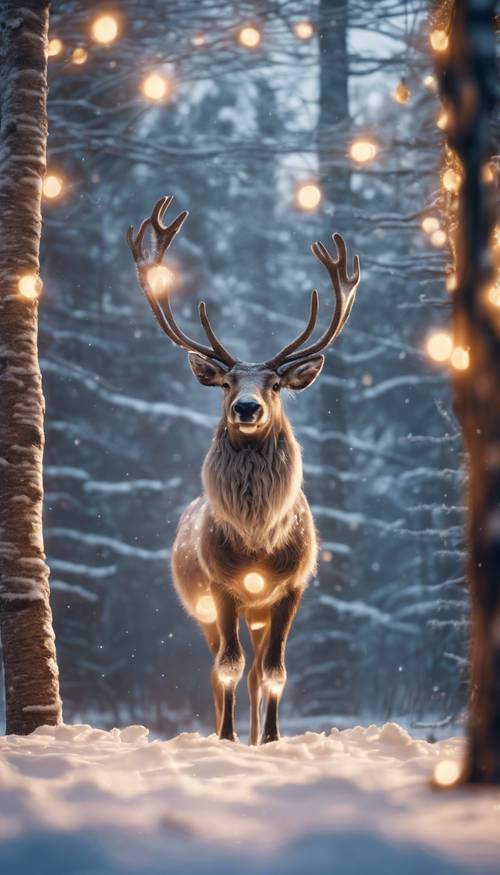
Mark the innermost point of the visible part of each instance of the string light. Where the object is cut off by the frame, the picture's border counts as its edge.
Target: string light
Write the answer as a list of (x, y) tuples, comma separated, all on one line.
[(249, 36), (54, 47), (105, 29), (402, 92), (159, 278), (438, 238), (430, 224), (30, 286), (452, 180), (446, 773), (439, 346), (451, 282), (460, 358), (79, 55), (439, 40), (156, 87), (205, 609), (442, 120), (52, 186), (430, 82), (493, 296), (362, 151), (308, 196), (253, 582), (303, 30)]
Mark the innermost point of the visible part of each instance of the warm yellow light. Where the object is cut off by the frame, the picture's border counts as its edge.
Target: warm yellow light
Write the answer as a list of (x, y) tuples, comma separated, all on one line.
[(257, 624), (205, 609), (303, 29), (488, 172), (79, 56), (460, 358), (401, 92), (30, 286), (156, 87), (446, 773), (54, 47), (430, 82), (249, 36), (493, 296), (253, 582), (159, 278), (198, 39), (442, 121), (452, 180), (105, 29), (439, 40), (451, 282), (363, 151), (438, 238), (326, 555), (308, 196), (430, 224), (439, 346), (52, 186)]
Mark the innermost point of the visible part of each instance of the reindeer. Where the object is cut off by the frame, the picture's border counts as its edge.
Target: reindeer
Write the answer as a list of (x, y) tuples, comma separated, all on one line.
[(247, 546)]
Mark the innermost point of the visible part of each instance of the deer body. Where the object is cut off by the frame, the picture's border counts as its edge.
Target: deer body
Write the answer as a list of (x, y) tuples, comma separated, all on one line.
[(246, 548)]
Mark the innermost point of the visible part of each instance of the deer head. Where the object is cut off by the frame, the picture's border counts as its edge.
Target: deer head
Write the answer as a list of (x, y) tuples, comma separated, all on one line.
[(252, 402)]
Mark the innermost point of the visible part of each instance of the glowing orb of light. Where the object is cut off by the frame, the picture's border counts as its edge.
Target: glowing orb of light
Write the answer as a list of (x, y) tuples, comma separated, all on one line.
[(79, 55), (249, 36), (460, 358), (308, 196), (198, 39), (54, 47), (257, 624), (438, 238), (362, 151), (439, 346), (30, 286), (159, 278), (253, 582), (493, 296), (446, 773), (442, 120), (105, 29), (303, 30), (52, 186), (402, 92), (430, 83), (451, 282), (205, 609), (439, 40), (452, 180), (156, 87), (430, 224)]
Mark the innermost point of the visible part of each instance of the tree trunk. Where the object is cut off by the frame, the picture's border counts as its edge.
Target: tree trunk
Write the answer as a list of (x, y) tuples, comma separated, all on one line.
[(29, 656), (467, 76)]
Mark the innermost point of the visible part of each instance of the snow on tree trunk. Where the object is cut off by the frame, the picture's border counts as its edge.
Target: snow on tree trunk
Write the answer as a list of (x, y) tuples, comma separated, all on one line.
[(29, 656), (468, 90)]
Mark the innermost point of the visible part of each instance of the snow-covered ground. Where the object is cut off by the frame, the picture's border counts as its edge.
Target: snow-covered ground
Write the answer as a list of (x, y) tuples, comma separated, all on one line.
[(79, 800)]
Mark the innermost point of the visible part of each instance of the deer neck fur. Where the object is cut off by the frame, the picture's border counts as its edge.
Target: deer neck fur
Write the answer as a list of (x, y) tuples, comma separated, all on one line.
[(252, 487)]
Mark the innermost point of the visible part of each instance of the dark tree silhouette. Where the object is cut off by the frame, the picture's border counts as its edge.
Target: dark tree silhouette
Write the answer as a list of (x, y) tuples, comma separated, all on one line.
[(30, 667)]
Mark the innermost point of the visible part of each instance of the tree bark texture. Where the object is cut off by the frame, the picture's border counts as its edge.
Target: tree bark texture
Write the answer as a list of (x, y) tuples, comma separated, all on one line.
[(29, 656), (468, 88)]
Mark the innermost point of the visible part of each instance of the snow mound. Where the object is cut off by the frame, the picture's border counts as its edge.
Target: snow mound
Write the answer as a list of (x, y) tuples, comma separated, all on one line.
[(78, 800)]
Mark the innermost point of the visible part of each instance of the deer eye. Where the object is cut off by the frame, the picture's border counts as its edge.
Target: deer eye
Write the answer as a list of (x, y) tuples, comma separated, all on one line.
[(276, 387), (226, 386)]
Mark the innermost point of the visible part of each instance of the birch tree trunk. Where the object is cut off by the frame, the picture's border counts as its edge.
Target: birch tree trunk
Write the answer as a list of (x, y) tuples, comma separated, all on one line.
[(29, 656)]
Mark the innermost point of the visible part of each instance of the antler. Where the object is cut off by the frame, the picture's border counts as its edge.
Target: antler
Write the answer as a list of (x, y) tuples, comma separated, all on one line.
[(345, 291), (145, 260)]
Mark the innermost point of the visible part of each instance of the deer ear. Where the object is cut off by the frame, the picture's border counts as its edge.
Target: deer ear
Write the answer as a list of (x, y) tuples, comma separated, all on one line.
[(300, 375), (206, 371)]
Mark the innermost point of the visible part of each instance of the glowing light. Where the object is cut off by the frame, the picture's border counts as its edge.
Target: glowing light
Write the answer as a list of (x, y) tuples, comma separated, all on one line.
[(258, 624), (79, 55), (105, 29), (30, 286), (430, 83), (401, 93), (488, 172), (362, 151), (452, 180), (198, 39), (446, 773), (326, 555), (493, 296), (303, 29), (205, 609), (442, 120), (439, 346), (438, 238), (451, 282), (308, 196), (275, 688), (156, 87), (430, 224), (52, 186), (439, 40), (253, 582), (460, 358), (54, 47), (249, 36), (159, 278)]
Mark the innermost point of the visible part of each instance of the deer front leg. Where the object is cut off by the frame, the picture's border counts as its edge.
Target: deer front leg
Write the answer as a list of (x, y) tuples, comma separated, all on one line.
[(229, 662), (273, 661)]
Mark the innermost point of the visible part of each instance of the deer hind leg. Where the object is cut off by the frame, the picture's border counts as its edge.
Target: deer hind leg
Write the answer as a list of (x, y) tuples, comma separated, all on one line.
[(257, 631), (229, 661), (273, 660)]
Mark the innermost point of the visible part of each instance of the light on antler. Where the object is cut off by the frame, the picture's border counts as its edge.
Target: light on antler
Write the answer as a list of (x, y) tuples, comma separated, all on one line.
[(205, 609), (451, 282), (105, 29), (460, 358), (446, 773), (303, 30), (492, 296), (438, 238), (30, 286), (439, 40), (452, 180), (362, 151), (439, 346), (159, 278), (156, 87), (54, 47), (254, 582), (430, 224), (430, 83), (79, 55), (250, 36), (52, 186), (402, 92), (308, 196), (442, 120)]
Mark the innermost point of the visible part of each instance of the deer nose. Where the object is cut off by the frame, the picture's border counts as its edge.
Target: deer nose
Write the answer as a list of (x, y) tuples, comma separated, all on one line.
[(247, 411)]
